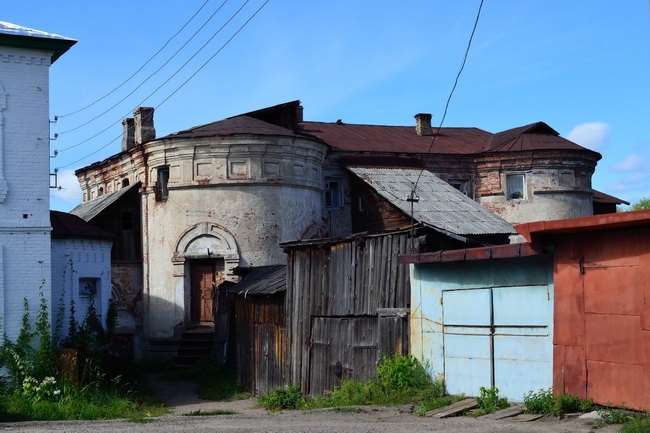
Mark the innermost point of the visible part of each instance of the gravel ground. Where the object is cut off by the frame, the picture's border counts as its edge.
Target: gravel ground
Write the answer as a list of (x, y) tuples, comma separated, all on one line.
[(249, 418)]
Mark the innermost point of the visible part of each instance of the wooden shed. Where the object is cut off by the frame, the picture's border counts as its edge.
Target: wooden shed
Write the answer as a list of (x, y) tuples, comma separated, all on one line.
[(347, 304), (259, 328)]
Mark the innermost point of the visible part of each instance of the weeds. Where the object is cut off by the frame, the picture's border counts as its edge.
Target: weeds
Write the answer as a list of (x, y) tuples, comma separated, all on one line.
[(543, 402), (288, 397), (400, 380), (633, 422), (488, 401), (33, 390)]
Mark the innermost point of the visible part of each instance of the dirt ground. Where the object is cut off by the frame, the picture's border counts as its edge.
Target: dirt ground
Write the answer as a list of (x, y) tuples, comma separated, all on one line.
[(181, 399)]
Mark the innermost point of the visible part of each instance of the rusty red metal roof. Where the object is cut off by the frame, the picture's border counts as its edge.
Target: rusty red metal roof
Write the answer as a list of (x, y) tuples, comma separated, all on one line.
[(233, 126), (601, 197), (612, 221), (481, 253), (536, 136), (396, 139)]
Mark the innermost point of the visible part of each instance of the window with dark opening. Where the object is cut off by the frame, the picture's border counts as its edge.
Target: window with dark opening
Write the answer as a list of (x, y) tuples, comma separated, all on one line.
[(162, 184), (125, 183), (333, 192), (88, 287)]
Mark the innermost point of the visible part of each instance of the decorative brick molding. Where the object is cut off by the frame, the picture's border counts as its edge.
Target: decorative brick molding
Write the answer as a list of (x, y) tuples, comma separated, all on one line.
[(27, 60)]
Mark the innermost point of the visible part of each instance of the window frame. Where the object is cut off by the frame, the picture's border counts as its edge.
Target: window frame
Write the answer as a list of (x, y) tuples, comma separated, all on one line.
[(511, 191), (162, 183), (333, 197), (88, 287)]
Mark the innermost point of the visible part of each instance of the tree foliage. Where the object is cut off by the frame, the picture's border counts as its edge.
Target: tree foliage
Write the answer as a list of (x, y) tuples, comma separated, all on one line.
[(642, 204)]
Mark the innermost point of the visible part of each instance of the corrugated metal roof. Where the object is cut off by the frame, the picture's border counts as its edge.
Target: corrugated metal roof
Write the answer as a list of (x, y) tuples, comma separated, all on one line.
[(90, 209), (262, 280), (440, 205)]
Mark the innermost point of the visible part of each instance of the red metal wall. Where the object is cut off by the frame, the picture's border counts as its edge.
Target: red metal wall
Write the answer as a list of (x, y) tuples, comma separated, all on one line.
[(602, 316)]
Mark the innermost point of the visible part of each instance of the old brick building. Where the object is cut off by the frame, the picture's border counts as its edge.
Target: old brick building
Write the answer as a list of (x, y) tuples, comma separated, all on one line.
[(190, 207)]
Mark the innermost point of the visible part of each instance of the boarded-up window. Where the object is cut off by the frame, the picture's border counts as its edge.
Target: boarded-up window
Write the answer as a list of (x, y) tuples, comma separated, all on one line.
[(516, 186)]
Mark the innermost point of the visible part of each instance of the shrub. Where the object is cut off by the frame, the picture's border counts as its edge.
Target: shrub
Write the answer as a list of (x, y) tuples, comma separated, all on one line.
[(398, 375), (349, 393), (540, 402), (288, 397)]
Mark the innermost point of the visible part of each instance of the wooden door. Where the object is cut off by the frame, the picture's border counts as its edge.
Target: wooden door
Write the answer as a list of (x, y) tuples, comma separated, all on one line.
[(203, 277)]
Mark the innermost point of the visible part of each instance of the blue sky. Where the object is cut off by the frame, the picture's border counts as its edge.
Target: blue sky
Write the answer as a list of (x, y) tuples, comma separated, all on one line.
[(581, 66)]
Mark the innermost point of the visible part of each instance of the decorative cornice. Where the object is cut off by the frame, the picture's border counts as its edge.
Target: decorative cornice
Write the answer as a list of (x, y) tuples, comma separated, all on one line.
[(27, 60)]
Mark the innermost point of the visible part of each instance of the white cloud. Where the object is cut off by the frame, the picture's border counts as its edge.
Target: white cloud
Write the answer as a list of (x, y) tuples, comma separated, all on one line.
[(593, 135), (633, 182), (69, 187), (630, 163)]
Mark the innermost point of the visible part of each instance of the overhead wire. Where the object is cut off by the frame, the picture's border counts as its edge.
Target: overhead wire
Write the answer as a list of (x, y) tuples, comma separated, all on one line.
[(186, 81), (453, 89), (139, 69), (413, 198), (160, 86), (153, 74)]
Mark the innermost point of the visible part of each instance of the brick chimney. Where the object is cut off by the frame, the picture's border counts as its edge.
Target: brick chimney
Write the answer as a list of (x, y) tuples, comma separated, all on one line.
[(423, 124), (127, 134), (144, 130)]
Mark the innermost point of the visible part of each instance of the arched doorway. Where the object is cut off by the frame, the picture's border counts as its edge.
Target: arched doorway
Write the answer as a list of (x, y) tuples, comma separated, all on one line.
[(205, 256)]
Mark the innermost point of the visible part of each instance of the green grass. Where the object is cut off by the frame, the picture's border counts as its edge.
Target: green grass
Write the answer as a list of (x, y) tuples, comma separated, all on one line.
[(211, 412), (400, 380), (78, 404)]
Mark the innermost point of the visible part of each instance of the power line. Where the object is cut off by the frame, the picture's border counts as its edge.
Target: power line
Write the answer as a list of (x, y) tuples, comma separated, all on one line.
[(462, 66), (165, 82), (139, 69), (154, 73), (184, 83)]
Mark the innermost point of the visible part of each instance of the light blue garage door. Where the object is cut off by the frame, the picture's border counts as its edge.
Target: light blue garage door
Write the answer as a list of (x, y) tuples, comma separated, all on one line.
[(499, 336)]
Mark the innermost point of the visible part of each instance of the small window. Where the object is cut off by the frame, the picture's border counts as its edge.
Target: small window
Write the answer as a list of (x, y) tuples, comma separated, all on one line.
[(100, 192), (163, 181), (460, 185), (88, 287), (125, 183), (516, 186), (333, 192)]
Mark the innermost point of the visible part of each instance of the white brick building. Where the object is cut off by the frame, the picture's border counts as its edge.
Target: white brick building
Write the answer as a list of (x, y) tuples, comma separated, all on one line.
[(25, 246)]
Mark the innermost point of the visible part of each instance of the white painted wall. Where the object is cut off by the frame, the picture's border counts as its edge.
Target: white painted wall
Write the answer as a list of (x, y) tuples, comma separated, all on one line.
[(73, 260), (24, 183)]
